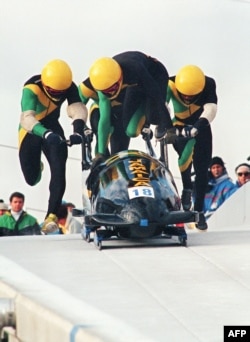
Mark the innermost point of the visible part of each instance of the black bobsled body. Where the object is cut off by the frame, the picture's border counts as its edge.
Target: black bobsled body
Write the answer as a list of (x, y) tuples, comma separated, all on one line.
[(133, 196)]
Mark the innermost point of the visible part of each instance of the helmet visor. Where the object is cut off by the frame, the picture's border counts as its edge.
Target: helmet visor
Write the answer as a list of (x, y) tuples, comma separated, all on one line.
[(188, 99), (54, 94), (112, 91)]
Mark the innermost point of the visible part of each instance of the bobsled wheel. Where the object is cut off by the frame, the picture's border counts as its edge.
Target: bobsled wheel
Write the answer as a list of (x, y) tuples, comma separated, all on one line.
[(97, 242), (86, 234), (183, 241)]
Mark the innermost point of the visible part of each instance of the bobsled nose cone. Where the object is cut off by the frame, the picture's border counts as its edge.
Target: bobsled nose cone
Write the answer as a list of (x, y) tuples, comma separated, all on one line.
[(134, 212), (130, 216)]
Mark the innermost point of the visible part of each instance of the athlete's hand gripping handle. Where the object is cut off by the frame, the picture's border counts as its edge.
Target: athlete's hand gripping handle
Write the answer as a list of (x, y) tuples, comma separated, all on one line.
[(189, 131), (75, 139)]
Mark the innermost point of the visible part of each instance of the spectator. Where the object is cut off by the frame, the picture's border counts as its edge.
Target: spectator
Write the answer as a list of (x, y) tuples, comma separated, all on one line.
[(70, 206), (16, 221), (3, 207), (67, 223), (243, 174), (62, 217), (220, 186)]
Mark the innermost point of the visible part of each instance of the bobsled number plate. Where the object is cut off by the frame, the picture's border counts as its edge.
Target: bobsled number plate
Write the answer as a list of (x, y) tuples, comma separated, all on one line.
[(140, 191)]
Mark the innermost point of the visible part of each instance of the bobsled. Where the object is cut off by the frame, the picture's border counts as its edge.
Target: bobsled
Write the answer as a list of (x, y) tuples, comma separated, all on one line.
[(133, 196)]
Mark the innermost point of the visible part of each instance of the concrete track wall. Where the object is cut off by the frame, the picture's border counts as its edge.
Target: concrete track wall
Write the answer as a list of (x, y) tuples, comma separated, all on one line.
[(233, 212), (46, 313)]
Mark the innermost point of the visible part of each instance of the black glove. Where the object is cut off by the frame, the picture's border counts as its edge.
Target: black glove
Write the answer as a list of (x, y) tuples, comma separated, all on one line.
[(75, 139), (171, 136), (192, 131), (189, 131), (202, 122), (52, 138)]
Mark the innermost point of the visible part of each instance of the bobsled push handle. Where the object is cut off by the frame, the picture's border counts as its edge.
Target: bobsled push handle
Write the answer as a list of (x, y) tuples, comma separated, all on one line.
[(146, 136), (169, 141), (86, 149), (164, 152)]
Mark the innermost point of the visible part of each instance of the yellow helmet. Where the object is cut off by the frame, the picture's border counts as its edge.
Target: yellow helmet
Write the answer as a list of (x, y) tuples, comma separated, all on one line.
[(190, 80), (106, 75), (56, 75)]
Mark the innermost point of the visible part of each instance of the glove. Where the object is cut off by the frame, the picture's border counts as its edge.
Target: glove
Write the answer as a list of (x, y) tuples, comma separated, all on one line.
[(201, 123), (189, 131), (52, 138), (75, 139), (171, 135)]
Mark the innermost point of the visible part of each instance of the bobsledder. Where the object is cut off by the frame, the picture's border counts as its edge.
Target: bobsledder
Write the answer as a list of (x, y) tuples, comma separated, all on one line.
[(133, 196)]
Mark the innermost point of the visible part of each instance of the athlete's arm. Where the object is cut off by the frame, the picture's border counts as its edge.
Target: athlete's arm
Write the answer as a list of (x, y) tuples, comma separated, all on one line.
[(209, 112), (28, 119), (104, 125), (87, 92)]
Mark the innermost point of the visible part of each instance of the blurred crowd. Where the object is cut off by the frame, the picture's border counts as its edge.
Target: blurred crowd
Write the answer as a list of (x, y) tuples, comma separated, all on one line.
[(14, 220)]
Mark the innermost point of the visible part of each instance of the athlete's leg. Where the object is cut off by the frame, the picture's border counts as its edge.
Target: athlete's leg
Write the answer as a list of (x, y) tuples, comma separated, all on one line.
[(133, 112), (94, 120), (56, 156), (119, 140), (30, 158), (201, 159), (185, 149), (94, 116)]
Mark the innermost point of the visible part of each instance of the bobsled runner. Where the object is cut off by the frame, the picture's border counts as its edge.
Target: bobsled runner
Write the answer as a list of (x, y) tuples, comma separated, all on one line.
[(134, 197)]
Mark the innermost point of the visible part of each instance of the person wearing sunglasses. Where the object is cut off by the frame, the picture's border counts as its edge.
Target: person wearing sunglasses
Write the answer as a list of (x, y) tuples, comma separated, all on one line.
[(41, 132), (129, 92), (194, 99), (243, 174), (220, 186)]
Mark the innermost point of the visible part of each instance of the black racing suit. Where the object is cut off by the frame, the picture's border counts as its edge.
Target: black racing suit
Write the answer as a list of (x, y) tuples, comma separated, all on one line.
[(198, 150), (141, 100), (31, 143), (119, 140)]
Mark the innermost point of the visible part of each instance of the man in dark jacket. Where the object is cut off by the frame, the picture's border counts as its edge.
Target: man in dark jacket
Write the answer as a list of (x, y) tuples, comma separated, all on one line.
[(220, 186)]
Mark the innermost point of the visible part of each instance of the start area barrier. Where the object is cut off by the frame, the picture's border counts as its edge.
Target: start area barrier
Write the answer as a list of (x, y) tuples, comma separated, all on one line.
[(33, 310)]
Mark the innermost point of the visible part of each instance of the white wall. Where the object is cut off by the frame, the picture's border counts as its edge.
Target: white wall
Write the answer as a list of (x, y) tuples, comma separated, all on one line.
[(234, 211)]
